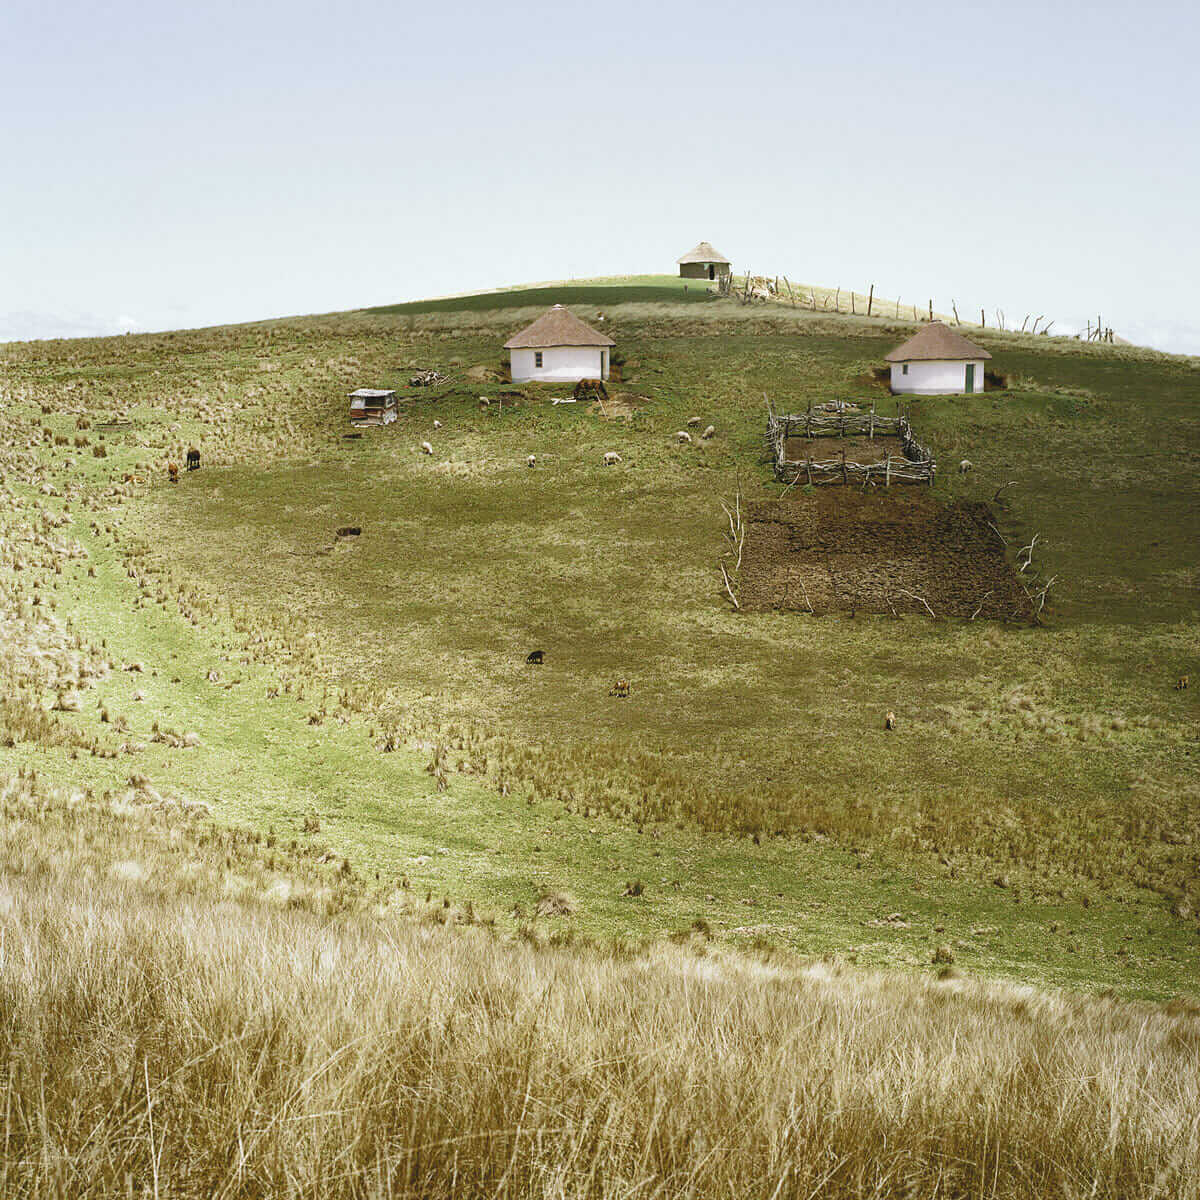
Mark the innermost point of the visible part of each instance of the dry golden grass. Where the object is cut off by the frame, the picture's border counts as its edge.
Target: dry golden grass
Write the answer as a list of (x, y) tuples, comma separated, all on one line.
[(181, 1017)]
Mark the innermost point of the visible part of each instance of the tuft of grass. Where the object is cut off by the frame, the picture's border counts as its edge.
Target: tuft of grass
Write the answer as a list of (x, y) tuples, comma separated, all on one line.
[(189, 1000)]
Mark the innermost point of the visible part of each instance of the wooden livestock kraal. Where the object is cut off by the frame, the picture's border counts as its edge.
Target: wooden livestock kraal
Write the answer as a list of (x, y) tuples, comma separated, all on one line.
[(916, 465)]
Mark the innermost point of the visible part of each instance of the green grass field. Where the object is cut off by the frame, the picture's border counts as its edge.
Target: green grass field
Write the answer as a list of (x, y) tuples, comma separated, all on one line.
[(1037, 807)]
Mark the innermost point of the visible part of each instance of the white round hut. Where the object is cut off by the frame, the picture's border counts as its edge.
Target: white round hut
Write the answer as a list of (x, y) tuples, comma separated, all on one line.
[(937, 361), (558, 348)]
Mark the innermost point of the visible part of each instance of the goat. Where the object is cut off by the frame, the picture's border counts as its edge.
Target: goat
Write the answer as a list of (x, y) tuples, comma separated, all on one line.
[(709, 432), (426, 448), (965, 466), (535, 657), (682, 435), (620, 688), (611, 457), (193, 459)]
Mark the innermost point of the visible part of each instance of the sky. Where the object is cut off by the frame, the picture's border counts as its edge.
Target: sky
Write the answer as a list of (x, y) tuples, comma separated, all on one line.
[(168, 166)]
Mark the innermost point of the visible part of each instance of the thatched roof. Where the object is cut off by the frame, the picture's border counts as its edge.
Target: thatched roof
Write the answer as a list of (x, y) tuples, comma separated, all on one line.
[(936, 342), (558, 327), (703, 253)]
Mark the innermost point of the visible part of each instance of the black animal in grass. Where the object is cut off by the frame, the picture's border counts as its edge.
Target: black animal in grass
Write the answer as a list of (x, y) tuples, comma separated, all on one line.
[(535, 658), (193, 459)]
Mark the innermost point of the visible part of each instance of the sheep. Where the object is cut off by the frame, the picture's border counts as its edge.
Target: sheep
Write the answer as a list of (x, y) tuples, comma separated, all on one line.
[(532, 460), (437, 424), (965, 466), (426, 448), (611, 458), (709, 432), (682, 435), (889, 722), (693, 422)]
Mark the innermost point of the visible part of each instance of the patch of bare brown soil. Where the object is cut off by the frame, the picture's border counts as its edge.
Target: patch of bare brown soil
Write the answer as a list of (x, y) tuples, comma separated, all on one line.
[(843, 550), (857, 449)]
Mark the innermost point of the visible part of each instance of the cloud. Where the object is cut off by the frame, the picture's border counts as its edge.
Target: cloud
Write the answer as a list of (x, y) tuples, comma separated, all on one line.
[(27, 325)]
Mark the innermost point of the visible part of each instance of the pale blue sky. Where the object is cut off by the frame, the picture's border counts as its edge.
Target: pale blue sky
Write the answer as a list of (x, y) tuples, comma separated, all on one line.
[(168, 165)]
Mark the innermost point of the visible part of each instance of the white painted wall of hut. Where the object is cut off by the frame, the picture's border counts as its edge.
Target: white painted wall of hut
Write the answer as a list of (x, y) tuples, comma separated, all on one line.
[(935, 378), (560, 364)]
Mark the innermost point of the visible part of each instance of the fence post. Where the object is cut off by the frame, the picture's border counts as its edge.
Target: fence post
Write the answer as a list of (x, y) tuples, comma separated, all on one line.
[(872, 434), (887, 471), (870, 299)]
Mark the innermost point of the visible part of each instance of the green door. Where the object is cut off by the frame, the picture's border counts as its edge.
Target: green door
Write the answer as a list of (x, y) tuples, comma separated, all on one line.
[(970, 377)]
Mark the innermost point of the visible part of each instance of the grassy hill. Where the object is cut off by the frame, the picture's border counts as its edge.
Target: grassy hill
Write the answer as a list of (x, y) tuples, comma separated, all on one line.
[(1036, 810)]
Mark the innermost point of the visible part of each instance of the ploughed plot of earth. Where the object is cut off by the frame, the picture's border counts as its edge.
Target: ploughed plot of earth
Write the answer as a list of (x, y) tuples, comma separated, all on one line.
[(876, 551), (857, 449)]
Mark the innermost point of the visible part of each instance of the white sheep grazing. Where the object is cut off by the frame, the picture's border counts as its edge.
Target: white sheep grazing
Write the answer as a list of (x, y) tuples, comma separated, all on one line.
[(709, 432), (965, 466), (532, 460), (682, 435), (611, 457), (426, 448), (437, 424), (693, 422)]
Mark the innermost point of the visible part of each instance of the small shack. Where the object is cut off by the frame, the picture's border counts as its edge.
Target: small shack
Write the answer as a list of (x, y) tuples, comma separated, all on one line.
[(372, 406), (558, 348), (937, 361), (704, 262)]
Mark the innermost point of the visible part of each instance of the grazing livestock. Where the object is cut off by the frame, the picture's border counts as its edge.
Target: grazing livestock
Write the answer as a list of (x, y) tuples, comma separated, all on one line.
[(173, 472), (682, 435), (693, 422), (889, 722), (193, 459), (965, 466), (709, 432), (620, 688), (1182, 684), (437, 424), (611, 457), (534, 657), (349, 531), (532, 460), (426, 448)]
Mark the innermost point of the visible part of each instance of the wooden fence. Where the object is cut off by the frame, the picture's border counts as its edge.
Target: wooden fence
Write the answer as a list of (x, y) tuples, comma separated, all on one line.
[(916, 465)]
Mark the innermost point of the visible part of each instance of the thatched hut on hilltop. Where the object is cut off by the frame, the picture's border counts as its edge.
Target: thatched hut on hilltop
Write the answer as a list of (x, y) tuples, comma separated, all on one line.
[(704, 262)]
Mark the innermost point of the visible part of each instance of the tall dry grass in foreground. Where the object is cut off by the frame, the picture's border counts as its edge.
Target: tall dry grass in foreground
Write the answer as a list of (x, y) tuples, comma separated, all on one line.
[(162, 1038)]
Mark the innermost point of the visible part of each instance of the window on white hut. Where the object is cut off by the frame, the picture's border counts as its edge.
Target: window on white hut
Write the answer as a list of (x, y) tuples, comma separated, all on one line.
[(537, 358), (904, 369)]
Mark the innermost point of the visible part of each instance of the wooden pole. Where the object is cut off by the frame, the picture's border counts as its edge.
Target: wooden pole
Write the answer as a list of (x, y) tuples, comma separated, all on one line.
[(870, 299), (887, 471), (931, 310), (872, 434), (982, 319)]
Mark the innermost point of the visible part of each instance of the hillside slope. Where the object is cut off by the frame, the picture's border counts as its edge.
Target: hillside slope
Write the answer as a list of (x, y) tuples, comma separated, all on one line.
[(1037, 808)]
